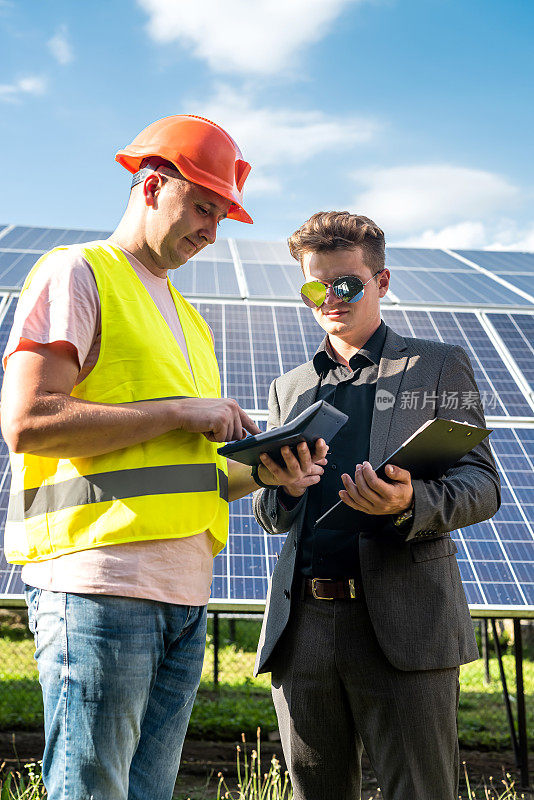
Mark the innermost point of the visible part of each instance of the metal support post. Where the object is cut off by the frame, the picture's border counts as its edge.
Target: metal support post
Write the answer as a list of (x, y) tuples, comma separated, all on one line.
[(521, 712), (506, 696), (215, 650), (485, 650)]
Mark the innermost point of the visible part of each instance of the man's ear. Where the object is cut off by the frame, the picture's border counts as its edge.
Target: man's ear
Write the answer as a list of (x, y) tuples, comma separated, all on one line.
[(151, 189), (383, 282)]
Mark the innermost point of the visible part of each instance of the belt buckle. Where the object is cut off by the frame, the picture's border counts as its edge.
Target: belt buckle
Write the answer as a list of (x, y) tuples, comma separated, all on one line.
[(313, 588)]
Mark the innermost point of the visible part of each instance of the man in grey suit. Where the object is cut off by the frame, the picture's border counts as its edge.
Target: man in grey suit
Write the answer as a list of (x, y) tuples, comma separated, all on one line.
[(365, 629)]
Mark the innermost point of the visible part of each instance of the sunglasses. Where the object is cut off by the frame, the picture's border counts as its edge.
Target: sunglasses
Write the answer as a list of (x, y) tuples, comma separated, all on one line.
[(348, 288)]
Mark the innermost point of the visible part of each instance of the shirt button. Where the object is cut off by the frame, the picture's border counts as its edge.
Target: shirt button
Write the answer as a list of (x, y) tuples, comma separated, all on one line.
[(286, 593), (333, 467)]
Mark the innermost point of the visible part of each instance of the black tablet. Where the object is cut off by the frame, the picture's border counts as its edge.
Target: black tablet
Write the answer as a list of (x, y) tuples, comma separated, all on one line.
[(319, 421)]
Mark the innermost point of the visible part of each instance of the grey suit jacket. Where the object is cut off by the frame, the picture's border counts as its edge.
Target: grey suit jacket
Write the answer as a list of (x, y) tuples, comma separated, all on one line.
[(411, 580)]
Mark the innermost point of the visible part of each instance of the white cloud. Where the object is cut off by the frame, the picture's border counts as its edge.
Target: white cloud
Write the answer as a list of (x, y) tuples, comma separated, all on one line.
[(60, 47), (422, 199), (244, 36), (32, 84), (273, 137), (511, 237), (501, 235), (463, 235)]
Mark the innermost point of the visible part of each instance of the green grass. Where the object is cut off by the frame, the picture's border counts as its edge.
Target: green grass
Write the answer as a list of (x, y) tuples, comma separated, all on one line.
[(242, 703)]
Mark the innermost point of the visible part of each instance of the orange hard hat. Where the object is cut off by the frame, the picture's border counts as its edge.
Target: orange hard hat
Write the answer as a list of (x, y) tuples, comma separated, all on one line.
[(201, 150)]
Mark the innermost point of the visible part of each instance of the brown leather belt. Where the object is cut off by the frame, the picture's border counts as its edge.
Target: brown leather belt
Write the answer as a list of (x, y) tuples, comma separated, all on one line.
[(330, 589)]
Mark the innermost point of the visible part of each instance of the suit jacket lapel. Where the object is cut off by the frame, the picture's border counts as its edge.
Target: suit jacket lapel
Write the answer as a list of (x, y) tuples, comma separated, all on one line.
[(390, 372)]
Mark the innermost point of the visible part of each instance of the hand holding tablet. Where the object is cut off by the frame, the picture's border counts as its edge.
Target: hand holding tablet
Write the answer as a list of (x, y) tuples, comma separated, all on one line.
[(319, 421)]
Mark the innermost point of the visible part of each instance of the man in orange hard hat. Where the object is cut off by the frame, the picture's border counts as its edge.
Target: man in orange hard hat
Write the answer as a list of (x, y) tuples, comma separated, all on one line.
[(112, 412)]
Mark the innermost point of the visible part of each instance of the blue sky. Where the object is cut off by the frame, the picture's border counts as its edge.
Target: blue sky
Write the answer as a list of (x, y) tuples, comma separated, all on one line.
[(417, 113)]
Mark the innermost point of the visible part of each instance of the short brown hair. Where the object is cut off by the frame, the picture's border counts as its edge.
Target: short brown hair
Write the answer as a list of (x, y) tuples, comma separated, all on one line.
[(340, 230)]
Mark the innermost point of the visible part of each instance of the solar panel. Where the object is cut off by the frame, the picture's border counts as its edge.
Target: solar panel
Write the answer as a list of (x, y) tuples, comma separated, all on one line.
[(240, 377), (14, 266), (451, 288), (202, 277), (265, 351), (215, 317), (293, 346), (273, 280), (313, 334), (218, 251), (422, 258), (507, 261), (268, 252), (517, 333), (499, 392), (520, 281), (496, 557), (24, 238)]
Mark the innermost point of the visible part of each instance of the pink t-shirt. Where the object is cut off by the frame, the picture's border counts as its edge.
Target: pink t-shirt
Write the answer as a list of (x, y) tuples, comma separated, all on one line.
[(63, 304)]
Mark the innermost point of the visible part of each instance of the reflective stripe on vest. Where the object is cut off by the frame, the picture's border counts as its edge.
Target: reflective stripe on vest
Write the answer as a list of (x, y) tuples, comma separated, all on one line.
[(120, 485)]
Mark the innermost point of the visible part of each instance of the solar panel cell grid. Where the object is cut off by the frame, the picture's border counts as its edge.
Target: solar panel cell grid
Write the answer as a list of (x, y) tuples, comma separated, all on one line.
[(241, 382), (272, 280), (494, 548), (273, 252), (22, 237), (507, 261), (420, 257), (499, 392), (291, 338), (523, 282), (267, 363), (446, 288), (313, 335), (14, 266), (247, 555), (215, 278), (218, 251)]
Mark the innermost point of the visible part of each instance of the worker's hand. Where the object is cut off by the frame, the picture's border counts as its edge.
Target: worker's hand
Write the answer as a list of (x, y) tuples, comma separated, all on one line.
[(219, 420), (372, 495), (298, 473)]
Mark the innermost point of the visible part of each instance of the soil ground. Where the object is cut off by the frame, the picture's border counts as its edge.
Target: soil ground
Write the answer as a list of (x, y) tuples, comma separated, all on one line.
[(203, 760)]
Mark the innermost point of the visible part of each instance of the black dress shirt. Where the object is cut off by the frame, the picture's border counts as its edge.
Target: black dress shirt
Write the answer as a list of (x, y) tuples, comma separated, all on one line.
[(325, 553)]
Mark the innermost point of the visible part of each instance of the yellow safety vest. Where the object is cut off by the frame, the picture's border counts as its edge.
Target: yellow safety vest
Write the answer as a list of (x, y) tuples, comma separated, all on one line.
[(171, 486)]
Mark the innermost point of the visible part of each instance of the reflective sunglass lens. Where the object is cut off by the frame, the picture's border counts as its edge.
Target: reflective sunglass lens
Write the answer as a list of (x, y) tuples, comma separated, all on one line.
[(356, 297), (349, 289), (313, 294)]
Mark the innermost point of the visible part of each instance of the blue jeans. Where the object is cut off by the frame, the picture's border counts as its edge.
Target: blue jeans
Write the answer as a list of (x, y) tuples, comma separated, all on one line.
[(119, 678)]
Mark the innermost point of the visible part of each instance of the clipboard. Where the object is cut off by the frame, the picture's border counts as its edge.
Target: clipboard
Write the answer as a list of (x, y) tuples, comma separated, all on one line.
[(319, 421), (427, 453)]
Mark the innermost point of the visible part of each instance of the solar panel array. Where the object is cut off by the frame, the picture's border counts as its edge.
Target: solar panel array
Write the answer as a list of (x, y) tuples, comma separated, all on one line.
[(248, 293)]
